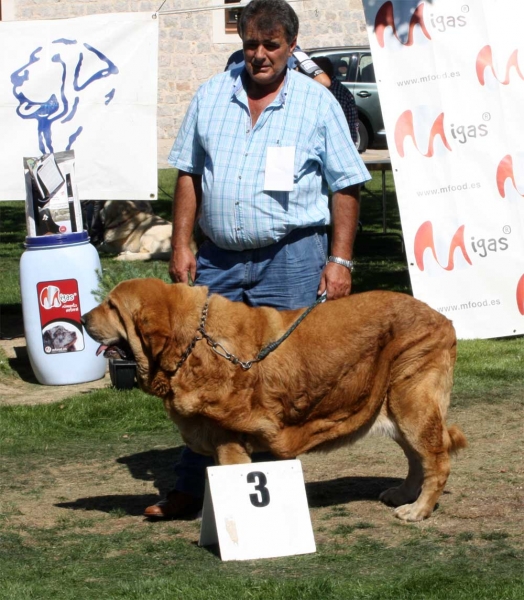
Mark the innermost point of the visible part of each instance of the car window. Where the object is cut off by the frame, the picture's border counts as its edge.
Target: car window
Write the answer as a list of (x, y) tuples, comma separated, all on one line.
[(341, 64), (366, 71)]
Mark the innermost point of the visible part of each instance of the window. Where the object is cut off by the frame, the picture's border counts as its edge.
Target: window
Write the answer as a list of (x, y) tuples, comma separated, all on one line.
[(231, 16), (225, 21), (366, 71)]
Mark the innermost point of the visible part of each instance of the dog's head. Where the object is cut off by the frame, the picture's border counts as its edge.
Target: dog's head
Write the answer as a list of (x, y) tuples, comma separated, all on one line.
[(59, 338), (149, 321), (50, 85)]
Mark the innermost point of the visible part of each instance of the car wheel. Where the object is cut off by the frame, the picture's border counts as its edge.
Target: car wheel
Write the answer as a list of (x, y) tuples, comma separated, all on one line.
[(363, 137)]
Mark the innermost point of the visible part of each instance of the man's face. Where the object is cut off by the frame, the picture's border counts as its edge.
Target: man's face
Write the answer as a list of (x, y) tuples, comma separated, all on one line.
[(266, 54)]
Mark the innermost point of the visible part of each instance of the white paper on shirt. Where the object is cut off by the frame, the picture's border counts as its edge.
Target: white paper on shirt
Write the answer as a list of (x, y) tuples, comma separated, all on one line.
[(280, 169)]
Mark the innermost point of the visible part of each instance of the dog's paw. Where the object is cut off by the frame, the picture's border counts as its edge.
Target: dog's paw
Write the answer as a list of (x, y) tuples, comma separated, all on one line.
[(412, 512)]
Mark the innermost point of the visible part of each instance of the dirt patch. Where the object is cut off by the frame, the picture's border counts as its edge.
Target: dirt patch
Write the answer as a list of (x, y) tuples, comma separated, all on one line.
[(484, 495)]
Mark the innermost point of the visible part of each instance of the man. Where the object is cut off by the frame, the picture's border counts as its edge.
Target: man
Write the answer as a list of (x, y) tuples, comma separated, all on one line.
[(254, 153), (342, 94)]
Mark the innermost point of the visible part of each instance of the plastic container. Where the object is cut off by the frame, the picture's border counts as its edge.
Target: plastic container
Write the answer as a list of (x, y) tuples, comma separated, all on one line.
[(57, 279), (122, 373)]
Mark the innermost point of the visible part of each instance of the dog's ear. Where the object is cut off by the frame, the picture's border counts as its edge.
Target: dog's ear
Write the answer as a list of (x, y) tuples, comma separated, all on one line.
[(185, 305), (152, 321), (146, 315), (160, 319), (92, 65)]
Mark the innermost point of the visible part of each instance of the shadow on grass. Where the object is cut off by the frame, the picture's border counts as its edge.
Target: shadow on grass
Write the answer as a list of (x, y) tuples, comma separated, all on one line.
[(347, 489), (152, 465), (11, 321), (21, 365), (130, 504), (157, 466)]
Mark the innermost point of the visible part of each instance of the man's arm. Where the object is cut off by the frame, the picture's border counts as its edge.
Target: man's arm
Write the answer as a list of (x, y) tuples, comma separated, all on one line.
[(345, 207), (186, 204), (308, 67)]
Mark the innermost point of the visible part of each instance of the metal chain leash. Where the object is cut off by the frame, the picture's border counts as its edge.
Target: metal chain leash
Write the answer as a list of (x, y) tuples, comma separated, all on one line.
[(193, 342), (219, 349)]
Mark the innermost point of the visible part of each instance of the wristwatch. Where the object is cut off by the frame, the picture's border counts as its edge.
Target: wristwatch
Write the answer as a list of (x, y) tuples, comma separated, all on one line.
[(341, 261)]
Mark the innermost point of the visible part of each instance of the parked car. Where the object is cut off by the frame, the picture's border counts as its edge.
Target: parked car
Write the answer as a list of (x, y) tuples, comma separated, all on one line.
[(353, 67)]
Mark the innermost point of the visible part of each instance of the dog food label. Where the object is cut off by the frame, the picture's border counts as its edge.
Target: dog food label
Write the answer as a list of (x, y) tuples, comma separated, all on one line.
[(59, 304)]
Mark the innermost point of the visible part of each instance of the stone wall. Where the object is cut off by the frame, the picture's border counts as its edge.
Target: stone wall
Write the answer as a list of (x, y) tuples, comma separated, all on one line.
[(191, 49)]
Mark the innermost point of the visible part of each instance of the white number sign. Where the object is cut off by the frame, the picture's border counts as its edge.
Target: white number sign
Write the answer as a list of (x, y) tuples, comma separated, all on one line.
[(258, 510)]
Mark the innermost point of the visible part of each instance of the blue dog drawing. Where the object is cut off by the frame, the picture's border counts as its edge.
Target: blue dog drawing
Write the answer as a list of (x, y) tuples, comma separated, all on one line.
[(50, 93)]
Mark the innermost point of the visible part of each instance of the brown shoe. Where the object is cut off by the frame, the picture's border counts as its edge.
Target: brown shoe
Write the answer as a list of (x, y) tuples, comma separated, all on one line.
[(177, 505)]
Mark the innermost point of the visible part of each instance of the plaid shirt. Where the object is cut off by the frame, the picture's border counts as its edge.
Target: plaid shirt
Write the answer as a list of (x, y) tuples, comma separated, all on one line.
[(216, 140), (347, 102)]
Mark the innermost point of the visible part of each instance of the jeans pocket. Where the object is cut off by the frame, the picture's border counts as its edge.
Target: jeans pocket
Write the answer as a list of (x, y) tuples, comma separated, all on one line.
[(321, 245)]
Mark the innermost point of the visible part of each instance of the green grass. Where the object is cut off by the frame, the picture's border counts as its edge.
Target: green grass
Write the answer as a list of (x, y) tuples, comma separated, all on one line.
[(134, 563), (100, 550), (489, 371), (100, 416), (71, 559)]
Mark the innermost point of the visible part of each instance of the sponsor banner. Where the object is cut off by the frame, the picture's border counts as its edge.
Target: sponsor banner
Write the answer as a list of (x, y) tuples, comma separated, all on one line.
[(87, 84), (59, 306), (451, 80)]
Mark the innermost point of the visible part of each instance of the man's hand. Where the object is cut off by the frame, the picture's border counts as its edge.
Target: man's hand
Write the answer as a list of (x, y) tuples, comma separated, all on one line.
[(335, 278), (182, 265), (188, 193), (336, 281)]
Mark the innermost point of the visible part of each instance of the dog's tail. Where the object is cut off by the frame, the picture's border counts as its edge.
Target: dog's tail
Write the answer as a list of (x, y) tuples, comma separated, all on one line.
[(458, 439)]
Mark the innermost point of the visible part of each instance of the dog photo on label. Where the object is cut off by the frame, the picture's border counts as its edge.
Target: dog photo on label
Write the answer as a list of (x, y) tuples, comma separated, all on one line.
[(238, 380), (58, 338)]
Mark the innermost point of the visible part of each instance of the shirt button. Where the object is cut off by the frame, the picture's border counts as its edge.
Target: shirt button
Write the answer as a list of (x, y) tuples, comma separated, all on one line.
[(237, 203), (240, 176)]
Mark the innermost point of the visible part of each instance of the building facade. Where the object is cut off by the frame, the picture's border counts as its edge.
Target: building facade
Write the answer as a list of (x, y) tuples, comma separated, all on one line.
[(196, 38)]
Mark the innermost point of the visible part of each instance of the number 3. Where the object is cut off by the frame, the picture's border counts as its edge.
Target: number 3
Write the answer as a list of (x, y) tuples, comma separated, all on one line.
[(263, 499)]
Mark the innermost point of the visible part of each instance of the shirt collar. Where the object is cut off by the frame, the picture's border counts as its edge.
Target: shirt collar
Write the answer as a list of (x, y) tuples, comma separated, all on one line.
[(239, 89)]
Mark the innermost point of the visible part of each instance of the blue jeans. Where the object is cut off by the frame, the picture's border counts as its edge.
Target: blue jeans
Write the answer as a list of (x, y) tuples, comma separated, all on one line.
[(284, 275)]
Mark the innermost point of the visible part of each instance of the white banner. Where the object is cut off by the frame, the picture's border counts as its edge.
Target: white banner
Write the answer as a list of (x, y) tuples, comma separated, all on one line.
[(451, 82), (87, 84)]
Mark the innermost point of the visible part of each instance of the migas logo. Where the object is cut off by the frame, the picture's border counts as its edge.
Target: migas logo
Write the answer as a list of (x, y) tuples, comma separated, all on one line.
[(424, 239), (51, 297), (386, 18), (405, 128), (504, 172), (481, 247), (485, 61)]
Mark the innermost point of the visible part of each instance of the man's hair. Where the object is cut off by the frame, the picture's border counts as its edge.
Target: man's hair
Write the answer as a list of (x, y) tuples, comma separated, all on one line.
[(269, 15), (325, 64)]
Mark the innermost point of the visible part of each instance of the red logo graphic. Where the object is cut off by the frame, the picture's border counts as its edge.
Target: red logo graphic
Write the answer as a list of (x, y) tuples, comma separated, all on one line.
[(520, 295), (404, 128), (385, 18), (50, 297), (504, 172), (485, 60), (424, 239)]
